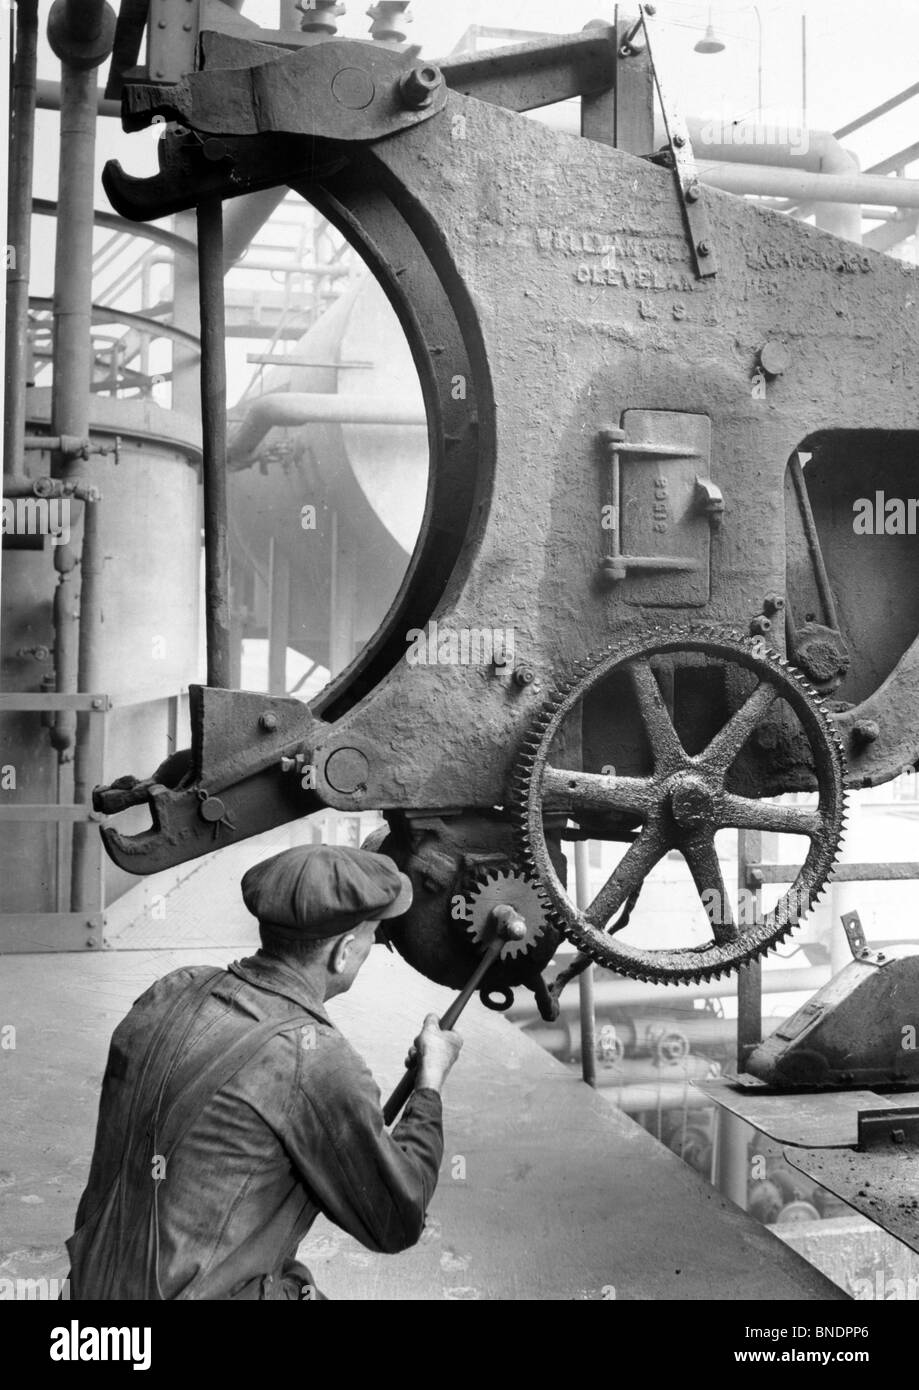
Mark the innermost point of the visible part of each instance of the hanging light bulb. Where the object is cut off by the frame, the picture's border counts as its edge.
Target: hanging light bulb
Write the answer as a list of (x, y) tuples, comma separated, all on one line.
[(711, 42)]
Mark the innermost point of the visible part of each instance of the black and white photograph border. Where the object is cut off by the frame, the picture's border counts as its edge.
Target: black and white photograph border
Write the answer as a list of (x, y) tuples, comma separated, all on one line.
[(459, 665)]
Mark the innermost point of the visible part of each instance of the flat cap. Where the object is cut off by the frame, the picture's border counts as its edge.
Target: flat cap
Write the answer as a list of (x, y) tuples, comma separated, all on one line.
[(319, 891)]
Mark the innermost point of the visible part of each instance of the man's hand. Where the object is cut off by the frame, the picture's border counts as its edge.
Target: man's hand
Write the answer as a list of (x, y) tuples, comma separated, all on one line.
[(434, 1052)]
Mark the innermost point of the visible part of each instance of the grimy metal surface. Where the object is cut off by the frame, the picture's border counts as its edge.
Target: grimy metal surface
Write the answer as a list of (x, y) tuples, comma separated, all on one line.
[(878, 1178), (855, 1031), (551, 299)]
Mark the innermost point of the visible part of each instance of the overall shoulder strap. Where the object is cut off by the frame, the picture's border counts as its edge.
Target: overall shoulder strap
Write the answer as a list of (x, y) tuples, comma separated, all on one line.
[(185, 1107)]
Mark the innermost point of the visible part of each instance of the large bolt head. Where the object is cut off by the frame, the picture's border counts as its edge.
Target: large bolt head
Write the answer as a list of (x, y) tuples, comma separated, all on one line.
[(692, 804), (418, 85)]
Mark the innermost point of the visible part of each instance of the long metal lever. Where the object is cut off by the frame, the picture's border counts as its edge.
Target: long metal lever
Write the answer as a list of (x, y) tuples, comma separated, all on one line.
[(509, 926)]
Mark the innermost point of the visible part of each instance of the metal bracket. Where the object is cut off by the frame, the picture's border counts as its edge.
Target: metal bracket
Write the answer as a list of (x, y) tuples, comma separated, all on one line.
[(889, 1129), (706, 500), (689, 189), (340, 90), (855, 933)]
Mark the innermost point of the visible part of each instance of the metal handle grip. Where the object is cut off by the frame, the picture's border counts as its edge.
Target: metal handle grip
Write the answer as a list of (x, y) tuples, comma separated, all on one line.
[(405, 1087)]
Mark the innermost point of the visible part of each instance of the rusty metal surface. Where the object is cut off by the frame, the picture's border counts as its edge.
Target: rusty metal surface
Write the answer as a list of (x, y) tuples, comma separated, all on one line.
[(852, 1032), (549, 292), (827, 1119)]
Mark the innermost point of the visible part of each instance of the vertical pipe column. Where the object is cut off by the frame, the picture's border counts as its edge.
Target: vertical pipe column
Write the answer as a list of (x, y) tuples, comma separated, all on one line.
[(278, 619), (186, 385), (72, 312), (750, 978), (214, 440), (588, 1010), (77, 667), (19, 193), (81, 34)]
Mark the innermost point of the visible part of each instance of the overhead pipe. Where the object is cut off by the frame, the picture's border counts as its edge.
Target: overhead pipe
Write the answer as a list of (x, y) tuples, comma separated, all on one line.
[(289, 409), (806, 187), (669, 1095), (814, 151), (660, 1034), (619, 992), (19, 204), (772, 165)]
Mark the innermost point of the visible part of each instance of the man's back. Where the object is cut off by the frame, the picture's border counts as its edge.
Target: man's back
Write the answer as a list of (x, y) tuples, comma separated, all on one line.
[(295, 1130)]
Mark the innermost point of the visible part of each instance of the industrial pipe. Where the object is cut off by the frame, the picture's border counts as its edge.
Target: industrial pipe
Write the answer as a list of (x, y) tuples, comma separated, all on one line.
[(286, 409), (815, 151), (48, 98), (81, 33), (670, 1095), (696, 1031), (19, 204), (52, 487), (806, 187), (72, 365), (586, 998), (214, 441), (244, 219), (622, 993)]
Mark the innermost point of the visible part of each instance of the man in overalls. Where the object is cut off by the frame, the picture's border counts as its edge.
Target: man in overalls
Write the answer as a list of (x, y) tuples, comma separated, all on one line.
[(233, 1111)]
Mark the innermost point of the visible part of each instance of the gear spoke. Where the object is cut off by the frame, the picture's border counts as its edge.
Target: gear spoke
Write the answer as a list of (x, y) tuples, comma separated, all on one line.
[(725, 746), (590, 791), (666, 749), (702, 857), (682, 804), (745, 813), (629, 874)]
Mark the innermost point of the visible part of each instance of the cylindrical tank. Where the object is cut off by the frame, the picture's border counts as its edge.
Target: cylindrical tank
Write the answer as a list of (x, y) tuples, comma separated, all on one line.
[(150, 515), (366, 482)]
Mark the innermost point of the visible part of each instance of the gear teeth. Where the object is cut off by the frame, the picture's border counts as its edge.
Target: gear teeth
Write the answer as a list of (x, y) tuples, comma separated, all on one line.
[(527, 820)]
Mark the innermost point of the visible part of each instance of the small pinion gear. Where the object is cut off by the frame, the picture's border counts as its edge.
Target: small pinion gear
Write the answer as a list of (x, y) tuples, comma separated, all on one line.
[(516, 891)]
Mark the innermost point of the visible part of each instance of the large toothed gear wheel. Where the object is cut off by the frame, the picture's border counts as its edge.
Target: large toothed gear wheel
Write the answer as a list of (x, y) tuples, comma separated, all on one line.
[(516, 891), (680, 805)]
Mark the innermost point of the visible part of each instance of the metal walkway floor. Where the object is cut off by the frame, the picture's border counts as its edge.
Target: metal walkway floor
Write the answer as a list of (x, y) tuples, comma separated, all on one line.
[(546, 1191)]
